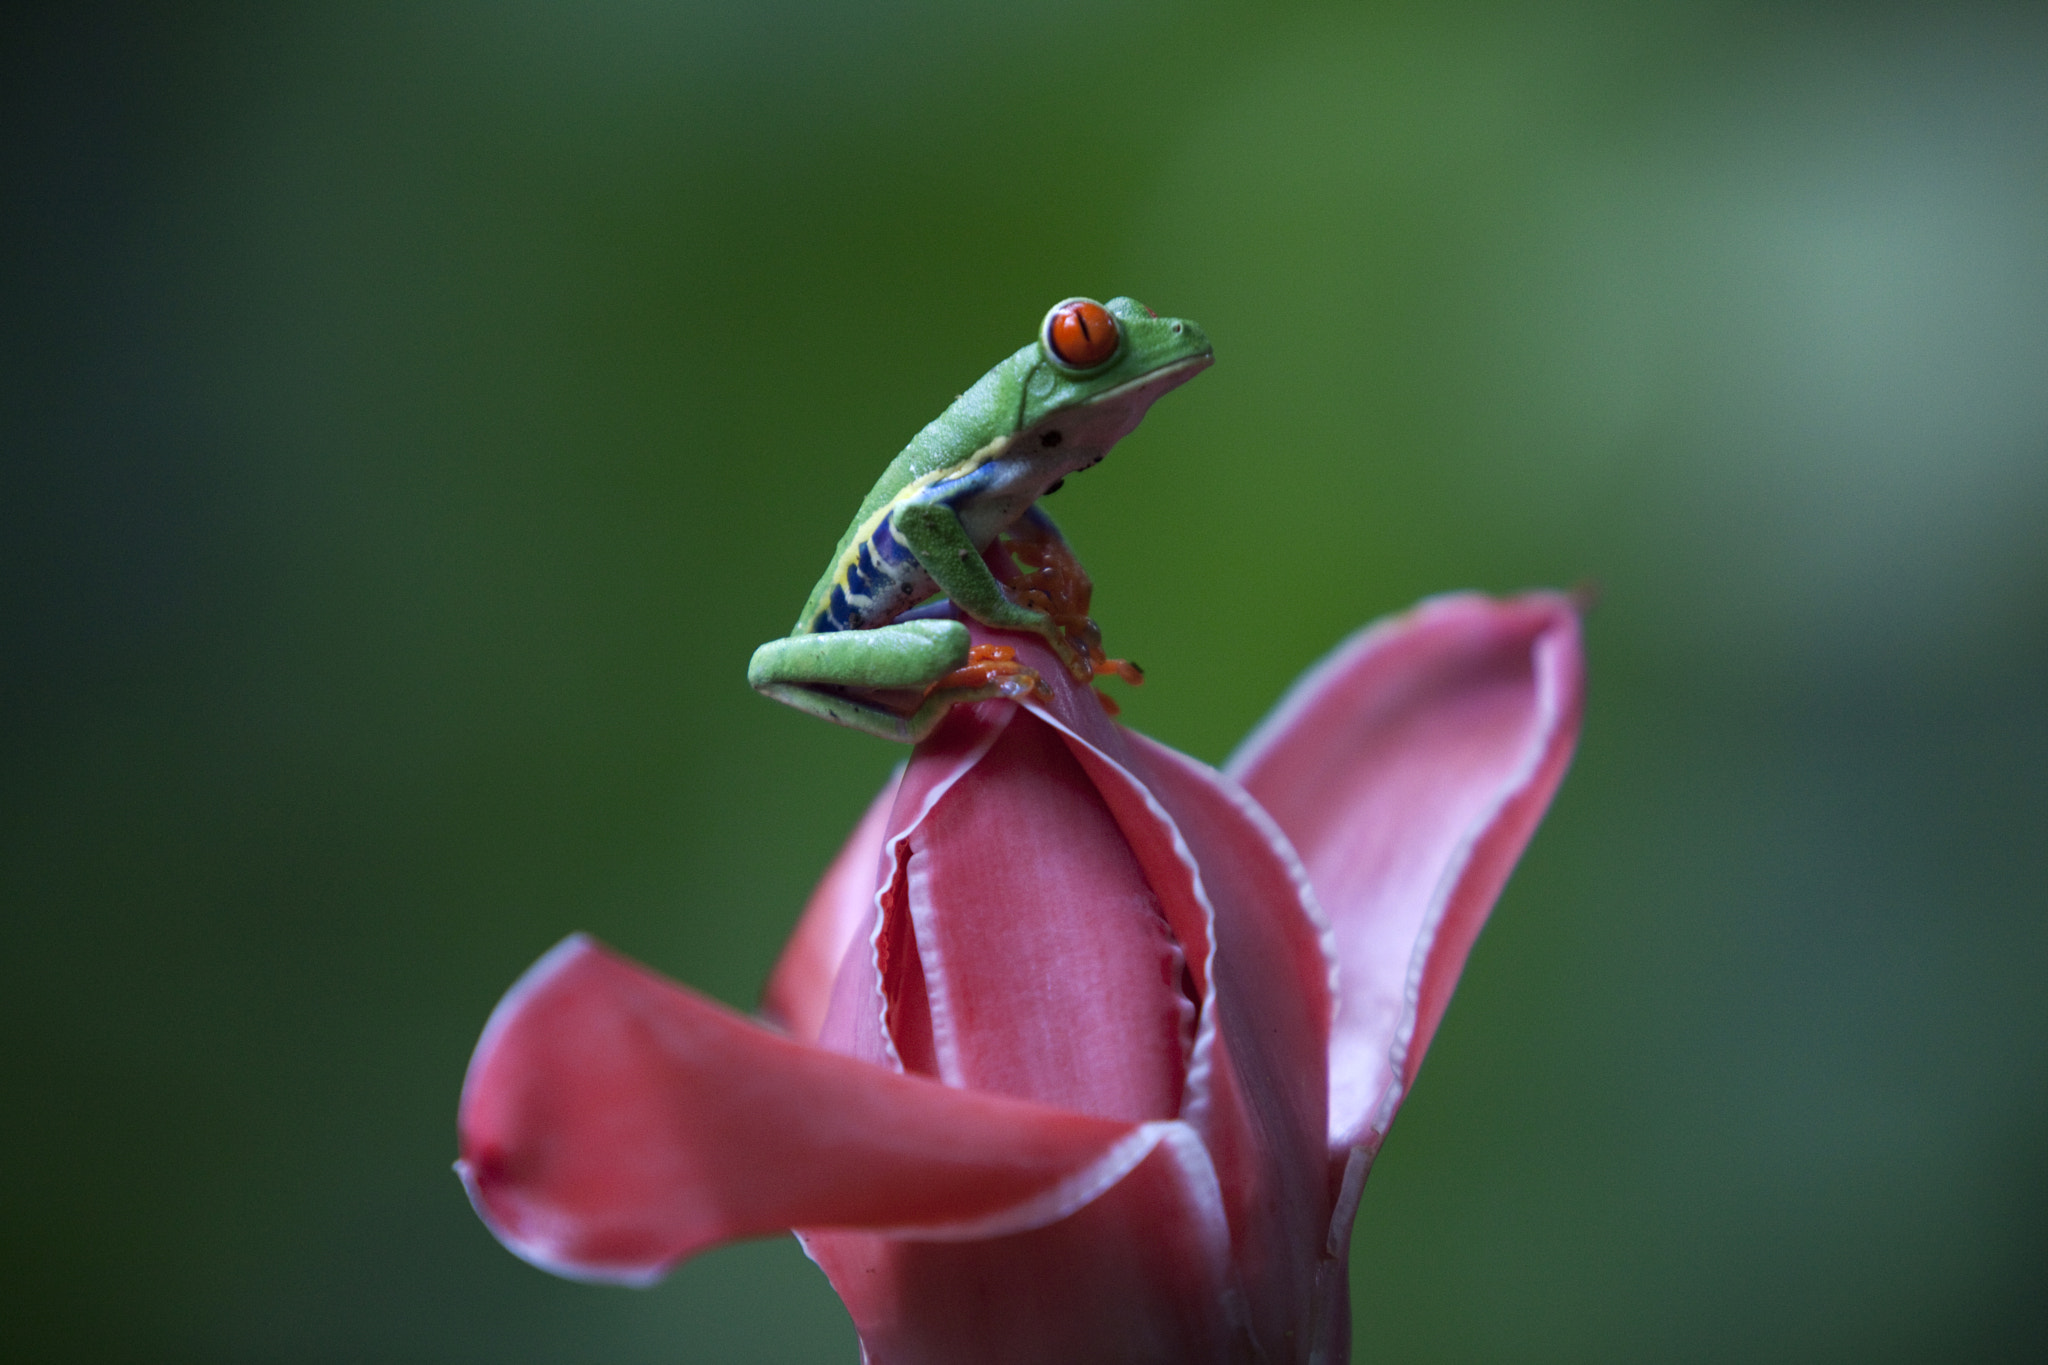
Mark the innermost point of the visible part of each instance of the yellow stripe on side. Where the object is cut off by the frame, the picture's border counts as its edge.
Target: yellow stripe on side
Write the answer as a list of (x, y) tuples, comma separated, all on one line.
[(842, 574)]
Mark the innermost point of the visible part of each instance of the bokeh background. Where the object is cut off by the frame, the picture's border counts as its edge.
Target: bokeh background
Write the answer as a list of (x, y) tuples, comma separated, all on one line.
[(412, 416)]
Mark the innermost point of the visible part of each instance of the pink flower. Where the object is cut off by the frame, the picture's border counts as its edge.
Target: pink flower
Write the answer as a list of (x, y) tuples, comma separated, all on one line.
[(1082, 1049)]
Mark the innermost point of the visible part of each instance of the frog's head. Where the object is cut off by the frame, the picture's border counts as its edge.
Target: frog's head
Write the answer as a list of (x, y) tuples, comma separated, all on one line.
[(1099, 367)]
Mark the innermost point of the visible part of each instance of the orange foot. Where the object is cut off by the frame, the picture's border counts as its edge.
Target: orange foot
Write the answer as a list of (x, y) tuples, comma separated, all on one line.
[(1122, 668), (995, 666)]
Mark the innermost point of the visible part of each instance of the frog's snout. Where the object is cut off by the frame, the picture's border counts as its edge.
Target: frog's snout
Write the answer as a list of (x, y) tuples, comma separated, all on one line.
[(1190, 339)]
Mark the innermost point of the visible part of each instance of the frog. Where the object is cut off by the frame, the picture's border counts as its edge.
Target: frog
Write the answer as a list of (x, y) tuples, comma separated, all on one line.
[(879, 646)]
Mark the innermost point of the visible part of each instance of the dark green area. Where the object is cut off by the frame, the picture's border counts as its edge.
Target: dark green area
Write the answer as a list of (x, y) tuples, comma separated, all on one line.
[(411, 417)]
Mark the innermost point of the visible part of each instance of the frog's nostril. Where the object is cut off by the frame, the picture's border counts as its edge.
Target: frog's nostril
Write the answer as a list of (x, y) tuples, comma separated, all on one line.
[(1176, 329)]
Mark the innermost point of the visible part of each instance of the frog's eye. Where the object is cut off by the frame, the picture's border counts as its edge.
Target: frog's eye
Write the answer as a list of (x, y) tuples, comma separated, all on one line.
[(1080, 334)]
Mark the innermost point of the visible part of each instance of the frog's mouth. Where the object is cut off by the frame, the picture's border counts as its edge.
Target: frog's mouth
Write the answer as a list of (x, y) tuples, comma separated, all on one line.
[(1153, 386), (1086, 431)]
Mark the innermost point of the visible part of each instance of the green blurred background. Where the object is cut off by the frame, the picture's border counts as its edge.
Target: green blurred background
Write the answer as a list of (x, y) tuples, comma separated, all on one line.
[(413, 415)]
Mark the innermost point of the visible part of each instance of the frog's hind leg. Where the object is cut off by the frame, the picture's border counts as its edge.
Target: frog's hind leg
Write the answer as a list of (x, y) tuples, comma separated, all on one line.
[(912, 654), (845, 676)]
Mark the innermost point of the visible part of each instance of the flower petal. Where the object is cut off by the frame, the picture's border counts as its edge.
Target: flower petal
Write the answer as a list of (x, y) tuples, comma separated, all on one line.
[(800, 986), (1140, 1276), (1409, 769), (867, 1009), (1048, 970), (1174, 877), (1274, 1003), (613, 1123), (1236, 894)]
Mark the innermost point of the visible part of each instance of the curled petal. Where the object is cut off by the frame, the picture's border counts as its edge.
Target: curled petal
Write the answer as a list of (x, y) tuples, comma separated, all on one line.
[(1273, 1006), (866, 1009), (1409, 769), (613, 1123), (1175, 878), (1050, 974), (1140, 1276)]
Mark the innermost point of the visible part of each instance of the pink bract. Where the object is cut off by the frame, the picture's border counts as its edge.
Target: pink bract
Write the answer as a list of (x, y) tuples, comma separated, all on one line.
[(1082, 1049)]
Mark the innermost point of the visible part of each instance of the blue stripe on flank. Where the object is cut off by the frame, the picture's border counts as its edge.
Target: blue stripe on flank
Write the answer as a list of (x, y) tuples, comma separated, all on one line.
[(840, 609), (857, 583), (866, 560), (822, 624), (887, 548)]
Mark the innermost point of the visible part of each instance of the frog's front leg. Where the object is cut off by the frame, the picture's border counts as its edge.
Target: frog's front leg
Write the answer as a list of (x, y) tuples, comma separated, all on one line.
[(933, 533), (848, 676)]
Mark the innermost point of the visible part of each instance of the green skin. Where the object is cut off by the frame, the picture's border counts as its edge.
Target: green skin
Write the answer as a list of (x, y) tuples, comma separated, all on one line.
[(974, 473)]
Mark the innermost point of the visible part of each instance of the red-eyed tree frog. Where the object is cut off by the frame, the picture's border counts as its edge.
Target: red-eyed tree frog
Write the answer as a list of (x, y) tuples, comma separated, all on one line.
[(861, 654)]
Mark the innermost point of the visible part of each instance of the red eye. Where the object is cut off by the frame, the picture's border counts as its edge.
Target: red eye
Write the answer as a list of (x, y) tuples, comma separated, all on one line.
[(1081, 334)]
